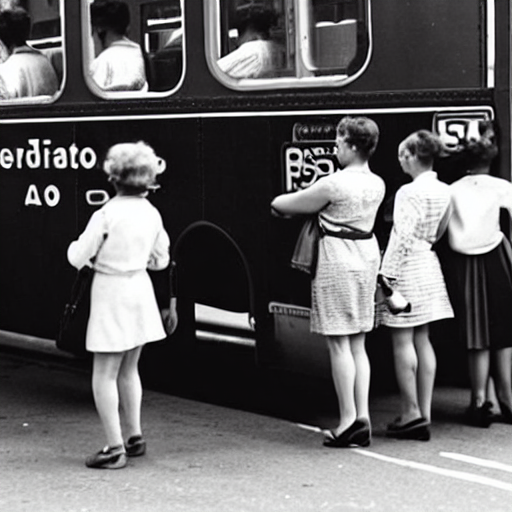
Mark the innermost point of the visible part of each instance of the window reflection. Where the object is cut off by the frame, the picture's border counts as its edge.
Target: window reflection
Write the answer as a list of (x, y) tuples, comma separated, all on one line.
[(31, 63)]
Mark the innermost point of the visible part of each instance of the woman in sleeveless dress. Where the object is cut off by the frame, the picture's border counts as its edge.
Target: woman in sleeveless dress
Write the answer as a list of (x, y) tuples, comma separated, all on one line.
[(343, 289)]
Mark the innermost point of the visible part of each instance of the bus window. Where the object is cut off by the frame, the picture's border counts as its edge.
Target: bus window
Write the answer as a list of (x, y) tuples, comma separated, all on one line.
[(133, 47), (268, 44), (31, 50)]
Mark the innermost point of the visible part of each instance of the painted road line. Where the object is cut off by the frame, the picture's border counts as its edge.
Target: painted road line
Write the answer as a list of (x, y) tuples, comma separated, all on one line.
[(311, 428), (459, 475), (486, 463)]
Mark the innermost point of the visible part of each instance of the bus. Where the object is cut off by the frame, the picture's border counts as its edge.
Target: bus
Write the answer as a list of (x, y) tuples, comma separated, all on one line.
[(232, 142)]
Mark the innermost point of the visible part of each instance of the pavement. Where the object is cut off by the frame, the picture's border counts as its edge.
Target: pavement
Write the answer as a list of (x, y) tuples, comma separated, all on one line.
[(210, 456)]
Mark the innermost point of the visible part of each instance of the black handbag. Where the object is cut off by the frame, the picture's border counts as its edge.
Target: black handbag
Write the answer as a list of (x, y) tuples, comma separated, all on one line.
[(305, 254), (73, 324)]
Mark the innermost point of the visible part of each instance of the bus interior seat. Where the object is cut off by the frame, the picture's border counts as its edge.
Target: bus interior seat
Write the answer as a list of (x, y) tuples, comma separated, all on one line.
[(335, 44), (164, 68)]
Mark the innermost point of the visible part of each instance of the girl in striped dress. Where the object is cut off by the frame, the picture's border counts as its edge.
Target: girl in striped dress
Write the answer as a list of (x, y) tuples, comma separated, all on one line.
[(413, 269)]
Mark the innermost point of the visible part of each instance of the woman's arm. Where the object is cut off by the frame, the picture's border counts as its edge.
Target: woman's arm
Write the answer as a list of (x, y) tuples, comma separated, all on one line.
[(310, 200)]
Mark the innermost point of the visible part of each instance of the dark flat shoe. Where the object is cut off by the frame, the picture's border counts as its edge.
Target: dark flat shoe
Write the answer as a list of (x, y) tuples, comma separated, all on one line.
[(417, 430), (480, 416), (506, 413), (357, 435), (396, 423), (135, 446), (108, 458), (396, 426)]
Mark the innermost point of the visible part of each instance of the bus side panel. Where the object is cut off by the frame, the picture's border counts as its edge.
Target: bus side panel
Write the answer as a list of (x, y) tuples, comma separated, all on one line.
[(222, 172), (425, 45), (44, 207), (239, 167), (38, 216)]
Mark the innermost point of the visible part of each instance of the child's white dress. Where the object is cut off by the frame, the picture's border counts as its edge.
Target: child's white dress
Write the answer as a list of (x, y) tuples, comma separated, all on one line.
[(126, 236)]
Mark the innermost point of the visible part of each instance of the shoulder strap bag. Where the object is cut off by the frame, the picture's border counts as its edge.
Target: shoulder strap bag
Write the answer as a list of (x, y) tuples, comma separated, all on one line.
[(73, 323)]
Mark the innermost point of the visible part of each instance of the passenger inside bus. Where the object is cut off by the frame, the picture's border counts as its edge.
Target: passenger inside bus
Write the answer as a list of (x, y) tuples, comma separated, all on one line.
[(256, 54), (26, 72), (119, 62)]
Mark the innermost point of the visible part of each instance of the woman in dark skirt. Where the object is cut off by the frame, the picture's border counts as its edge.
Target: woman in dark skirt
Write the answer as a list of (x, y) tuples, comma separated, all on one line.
[(483, 277)]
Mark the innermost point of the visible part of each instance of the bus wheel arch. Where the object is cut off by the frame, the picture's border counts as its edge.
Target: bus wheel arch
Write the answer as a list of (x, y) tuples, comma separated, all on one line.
[(211, 269)]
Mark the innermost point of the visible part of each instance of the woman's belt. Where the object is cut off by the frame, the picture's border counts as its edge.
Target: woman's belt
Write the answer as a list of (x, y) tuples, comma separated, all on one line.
[(342, 230), (349, 234)]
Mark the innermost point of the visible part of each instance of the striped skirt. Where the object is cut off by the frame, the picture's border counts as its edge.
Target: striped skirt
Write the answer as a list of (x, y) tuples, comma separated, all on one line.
[(481, 291), (422, 284), (343, 291)]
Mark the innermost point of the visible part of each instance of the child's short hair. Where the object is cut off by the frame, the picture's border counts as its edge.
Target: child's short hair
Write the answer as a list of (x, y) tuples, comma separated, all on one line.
[(133, 166)]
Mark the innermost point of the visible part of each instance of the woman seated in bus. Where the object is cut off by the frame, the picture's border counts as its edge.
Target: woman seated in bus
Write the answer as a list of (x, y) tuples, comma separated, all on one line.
[(411, 266), (119, 64), (256, 54), (26, 72), (482, 271), (343, 289)]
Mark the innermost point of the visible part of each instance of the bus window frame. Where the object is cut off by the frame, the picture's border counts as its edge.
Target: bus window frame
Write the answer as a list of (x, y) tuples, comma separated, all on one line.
[(43, 99), (88, 57), (212, 28)]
